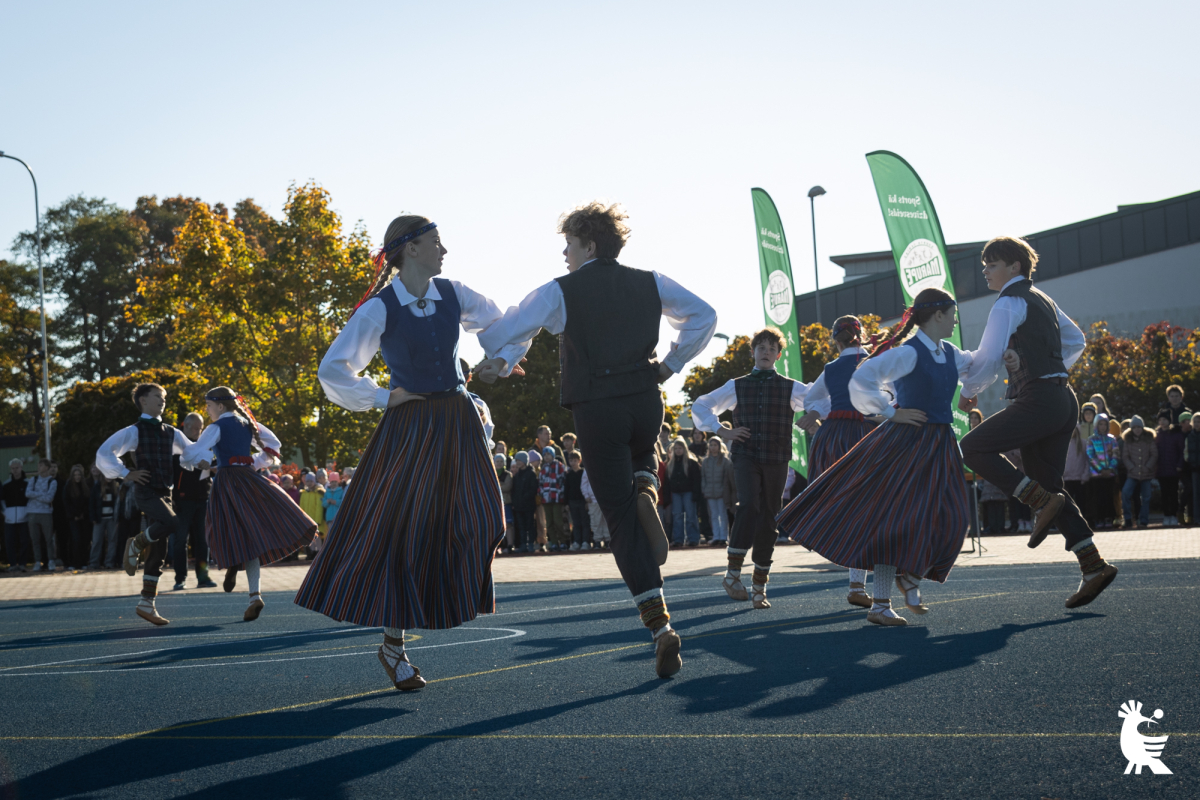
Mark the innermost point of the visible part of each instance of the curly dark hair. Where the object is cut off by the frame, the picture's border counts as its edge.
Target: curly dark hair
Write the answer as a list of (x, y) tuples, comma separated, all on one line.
[(1011, 250)]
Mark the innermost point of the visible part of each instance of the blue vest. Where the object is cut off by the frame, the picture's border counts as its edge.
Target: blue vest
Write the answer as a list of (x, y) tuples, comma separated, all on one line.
[(837, 381), (235, 440), (422, 352), (930, 386)]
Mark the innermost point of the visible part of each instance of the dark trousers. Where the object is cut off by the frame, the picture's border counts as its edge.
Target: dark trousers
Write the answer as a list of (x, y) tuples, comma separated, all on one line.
[(16, 542), (760, 493), (160, 514), (1101, 491), (189, 518), (1039, 422), (581, 523), (526, 522), (1170, 495), (81, 542), (618, 435)]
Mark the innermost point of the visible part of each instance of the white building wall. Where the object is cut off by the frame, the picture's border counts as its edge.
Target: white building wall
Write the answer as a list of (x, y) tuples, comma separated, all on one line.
[(1128, 295)]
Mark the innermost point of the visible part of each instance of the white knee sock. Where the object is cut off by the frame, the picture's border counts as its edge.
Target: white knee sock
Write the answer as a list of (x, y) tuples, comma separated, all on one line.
[(253, 574), (885, 576), (859, 576), (394, 653)]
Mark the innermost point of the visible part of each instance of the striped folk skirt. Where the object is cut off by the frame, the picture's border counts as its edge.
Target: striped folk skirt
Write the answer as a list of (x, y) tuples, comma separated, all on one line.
[(898, 497), (413, 541), (250, 517), (834, 439)]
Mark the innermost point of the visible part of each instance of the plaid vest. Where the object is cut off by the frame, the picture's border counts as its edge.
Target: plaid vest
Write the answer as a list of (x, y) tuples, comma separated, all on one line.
[(1037, 340), (765, 407), (154, 453)]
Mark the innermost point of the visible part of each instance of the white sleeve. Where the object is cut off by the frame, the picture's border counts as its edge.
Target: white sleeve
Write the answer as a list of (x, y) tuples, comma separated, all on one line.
[(263, 460), (269, 439), (201, 450), (180, 443), (1073, 340), (485, 416), (585, 486), (963, 359), (707, 408), (511, 335), (799, 395), (350, 354), (866, 386), (817, 393), (108, 456), (478, 313), (695, 320), (988, 360)]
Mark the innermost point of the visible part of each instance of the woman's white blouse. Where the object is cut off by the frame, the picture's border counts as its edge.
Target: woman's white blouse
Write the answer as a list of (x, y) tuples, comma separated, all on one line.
[(873, 376), (358, 342), (202, 448)]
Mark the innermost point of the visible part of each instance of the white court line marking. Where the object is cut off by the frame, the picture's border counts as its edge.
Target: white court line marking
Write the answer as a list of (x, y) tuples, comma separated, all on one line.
[(512, 634), (152, 638)]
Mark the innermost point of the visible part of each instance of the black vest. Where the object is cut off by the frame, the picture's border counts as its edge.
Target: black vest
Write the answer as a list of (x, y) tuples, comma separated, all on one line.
[(1037, 341), (154, 453), (765, 407), (608, 346)]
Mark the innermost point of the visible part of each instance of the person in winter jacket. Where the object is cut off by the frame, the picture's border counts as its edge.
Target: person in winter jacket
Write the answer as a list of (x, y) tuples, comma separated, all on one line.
[(1140, 456), (1103, 460), (1169, 441), (720, 492)]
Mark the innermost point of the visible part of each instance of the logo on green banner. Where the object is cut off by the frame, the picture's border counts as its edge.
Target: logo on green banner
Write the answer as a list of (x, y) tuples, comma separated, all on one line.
[(921, 266), (778, 298)]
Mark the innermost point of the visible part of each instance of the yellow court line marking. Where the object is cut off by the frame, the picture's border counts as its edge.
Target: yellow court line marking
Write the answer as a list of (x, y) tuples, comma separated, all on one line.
[(549, 736)]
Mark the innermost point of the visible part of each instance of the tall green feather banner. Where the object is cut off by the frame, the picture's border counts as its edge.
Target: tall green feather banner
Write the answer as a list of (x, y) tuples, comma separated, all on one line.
[(779, 302), (916, 238)]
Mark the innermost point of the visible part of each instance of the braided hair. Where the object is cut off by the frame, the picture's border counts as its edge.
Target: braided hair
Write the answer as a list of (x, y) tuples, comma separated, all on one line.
[(915, 318), (226, 399), (388, 266)]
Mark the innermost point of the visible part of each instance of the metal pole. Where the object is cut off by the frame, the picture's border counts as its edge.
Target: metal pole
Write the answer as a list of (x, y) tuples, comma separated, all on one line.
[(37, 215), (812, 204)]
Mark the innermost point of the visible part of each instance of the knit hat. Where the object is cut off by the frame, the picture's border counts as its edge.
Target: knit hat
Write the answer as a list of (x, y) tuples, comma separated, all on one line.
[(521, 456), (333, 476), (499, 460), (1088, 407), (1185, 417), (1136, 422), (548, 451), (347, 473), (310, 477), (534, 455)]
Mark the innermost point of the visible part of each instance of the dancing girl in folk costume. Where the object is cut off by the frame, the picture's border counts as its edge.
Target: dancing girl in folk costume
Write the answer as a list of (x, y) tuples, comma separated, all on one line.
[(152, 443), (897, 502), (413, 541), (844, 425), (608, 315), (1038, 343), (764, 404), (250, 520)]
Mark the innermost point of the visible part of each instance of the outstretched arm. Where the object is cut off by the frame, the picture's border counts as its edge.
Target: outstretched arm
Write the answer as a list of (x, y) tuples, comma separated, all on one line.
[(510, 337), (695, 320)]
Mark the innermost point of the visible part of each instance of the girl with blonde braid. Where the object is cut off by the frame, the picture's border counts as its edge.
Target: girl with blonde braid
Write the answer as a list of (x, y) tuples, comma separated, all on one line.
[(250, 520)]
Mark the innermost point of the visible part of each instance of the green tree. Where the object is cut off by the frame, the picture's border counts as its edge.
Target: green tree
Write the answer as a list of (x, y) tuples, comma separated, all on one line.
[(1133, 374), (20, 348), (520, 405), (254, 304), (91, 412)]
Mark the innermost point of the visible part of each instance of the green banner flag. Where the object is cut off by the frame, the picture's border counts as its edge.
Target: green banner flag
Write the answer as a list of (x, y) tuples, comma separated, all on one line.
[(916, 237), (779, 302)]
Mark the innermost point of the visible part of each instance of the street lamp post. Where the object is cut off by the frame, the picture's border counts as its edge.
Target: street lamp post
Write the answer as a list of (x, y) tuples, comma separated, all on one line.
[(813, 194), (37, 216)]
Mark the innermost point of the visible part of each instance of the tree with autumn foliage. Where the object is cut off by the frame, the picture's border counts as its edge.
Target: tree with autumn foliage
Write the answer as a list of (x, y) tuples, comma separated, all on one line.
[(1133, 374), (254, 303)]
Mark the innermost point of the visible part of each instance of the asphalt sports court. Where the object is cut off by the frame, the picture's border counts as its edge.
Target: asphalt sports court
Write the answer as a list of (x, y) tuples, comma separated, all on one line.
[(997, 692)]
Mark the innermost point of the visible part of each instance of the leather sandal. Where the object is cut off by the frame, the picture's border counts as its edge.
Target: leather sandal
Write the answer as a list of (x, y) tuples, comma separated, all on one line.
[(880, 618), (411, 683), (667, 660), (906, 584), (734, 588), (1090, 590), (1045, 517), (255, 608), (150, 614), (858, 596), (647, 513), (758, 596)]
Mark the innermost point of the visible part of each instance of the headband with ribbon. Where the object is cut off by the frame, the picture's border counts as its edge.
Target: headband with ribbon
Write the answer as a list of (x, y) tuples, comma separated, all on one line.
[(380, 257), (241, 404)]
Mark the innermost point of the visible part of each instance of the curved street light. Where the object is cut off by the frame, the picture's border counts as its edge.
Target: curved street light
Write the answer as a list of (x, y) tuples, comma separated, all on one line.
[(813, 194), (37, 216)]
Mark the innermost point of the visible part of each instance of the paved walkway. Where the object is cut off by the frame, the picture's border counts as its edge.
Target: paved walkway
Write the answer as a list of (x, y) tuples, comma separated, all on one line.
[(1116, 546)]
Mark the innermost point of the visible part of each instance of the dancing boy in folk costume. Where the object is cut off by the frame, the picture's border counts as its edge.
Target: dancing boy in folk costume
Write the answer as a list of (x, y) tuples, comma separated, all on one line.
[(413, 541), (250, 521), (764, 404), (897, 502), (608, 315), (1039, 343), (152, 443), (844, 426)]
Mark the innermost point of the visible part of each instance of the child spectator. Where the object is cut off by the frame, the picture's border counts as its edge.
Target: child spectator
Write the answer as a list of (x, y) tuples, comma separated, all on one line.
[(1168, 439), (581, 524), (1187, 498), (504, 477), (289, 488), (685, 482), (332, 500), (311, 503), (716, 472), (552, 489), (39, 492), (1103, 458), (524, 501), (1174, 406), (77, 500), (1140, 456)]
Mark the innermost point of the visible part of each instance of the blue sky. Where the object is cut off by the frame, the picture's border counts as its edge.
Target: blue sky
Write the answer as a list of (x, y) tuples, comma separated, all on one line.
[(493, 118)]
